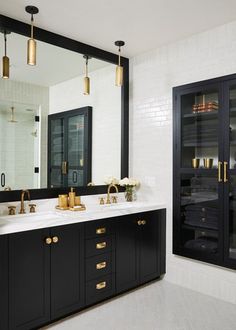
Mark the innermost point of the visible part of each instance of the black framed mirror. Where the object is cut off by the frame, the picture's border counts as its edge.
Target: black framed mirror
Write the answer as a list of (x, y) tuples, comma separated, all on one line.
[(67, 51)]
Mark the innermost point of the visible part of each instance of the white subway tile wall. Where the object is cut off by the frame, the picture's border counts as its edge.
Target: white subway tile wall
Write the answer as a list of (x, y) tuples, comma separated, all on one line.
[(20, 92), (153, 74)]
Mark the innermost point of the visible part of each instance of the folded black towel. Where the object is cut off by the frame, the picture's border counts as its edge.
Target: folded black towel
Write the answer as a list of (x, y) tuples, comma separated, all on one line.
[(204, 244)]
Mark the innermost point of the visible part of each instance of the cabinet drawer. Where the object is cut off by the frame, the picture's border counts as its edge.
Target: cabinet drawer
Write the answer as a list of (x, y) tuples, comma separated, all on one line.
[(99, 289), (98, 246), (98, 266), (98, 228)]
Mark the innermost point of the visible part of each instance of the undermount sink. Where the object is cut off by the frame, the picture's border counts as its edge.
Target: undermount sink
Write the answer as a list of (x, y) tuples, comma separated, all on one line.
[(29, 217)]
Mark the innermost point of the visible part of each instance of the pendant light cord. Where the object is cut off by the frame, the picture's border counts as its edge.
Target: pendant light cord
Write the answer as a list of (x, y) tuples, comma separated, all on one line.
[(5, 43), (32, 26), (119, 56), (86, 67)]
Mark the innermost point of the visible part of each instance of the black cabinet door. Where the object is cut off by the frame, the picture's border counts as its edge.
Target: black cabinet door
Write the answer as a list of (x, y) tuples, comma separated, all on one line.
[(126, 253), (67, 270), (29, 279), (149, 246), (4, 282)]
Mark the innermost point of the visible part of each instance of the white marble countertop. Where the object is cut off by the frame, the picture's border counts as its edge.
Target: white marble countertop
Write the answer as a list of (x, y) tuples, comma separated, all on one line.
[(52, 218)]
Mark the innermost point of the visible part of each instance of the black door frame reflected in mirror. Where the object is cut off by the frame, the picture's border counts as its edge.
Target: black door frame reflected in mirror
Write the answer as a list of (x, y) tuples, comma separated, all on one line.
[(21, 28)]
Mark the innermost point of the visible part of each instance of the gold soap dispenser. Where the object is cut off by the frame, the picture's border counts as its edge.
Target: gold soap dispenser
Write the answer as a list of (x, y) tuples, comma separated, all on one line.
[(71, 198)]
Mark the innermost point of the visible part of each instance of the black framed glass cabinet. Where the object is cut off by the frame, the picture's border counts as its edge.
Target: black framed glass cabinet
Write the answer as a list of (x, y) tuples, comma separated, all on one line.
[(69, 148), (204, 194)]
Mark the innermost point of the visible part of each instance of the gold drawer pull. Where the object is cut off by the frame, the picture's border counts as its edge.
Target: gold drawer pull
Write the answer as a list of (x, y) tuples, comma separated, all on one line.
[(101, 245), (48, 240), (139, 222), (101, 265), (219, 171), (225, 171), (101, 285), (55, 239), (143, 222), (100, 231)]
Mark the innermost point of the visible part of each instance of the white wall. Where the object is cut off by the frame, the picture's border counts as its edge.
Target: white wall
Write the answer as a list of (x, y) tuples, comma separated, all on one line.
[(153, 74), (21, 92), (105, 98)]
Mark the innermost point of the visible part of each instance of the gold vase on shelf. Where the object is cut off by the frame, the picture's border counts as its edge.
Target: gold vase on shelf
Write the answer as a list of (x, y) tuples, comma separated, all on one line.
[(208, 162), (195, 162)]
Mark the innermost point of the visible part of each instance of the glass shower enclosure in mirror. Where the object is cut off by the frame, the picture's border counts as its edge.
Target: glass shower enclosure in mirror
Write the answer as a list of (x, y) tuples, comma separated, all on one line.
[(53, 86)]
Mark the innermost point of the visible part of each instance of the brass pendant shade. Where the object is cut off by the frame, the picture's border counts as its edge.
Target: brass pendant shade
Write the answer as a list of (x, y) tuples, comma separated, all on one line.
[(5, 59), (31, 44), (31, 52), (86, 78), (119, 68)]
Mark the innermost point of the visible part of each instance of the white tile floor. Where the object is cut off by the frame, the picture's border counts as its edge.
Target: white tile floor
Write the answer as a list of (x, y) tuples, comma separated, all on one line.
[(157, 306)]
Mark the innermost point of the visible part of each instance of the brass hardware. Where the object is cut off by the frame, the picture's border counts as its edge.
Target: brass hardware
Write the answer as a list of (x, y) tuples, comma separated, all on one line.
[(12, 210), (114, 199), (22, 207), (195, 162), (55, 239), (7, 188), (208, 162), (100, 231), (101, 245), (64, 167), (102, 202), (32, 208), (101, 285), (143, 222), (48, 240), (5, 59), (225, 171), (112, 185), (31, 45), (139, 222), (119, 68), (101, 265), (219, 171)]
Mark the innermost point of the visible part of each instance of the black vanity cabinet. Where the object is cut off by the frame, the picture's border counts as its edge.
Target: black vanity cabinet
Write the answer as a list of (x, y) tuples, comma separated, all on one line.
[(45, 275), (204, 210), (70, 148), (140, 248)]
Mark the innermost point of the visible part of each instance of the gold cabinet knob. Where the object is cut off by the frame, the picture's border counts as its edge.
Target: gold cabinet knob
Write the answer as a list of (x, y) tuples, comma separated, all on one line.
[(139, 222), (101, 285), (101, 245), (48, 240), (143, 222), (55, 239)]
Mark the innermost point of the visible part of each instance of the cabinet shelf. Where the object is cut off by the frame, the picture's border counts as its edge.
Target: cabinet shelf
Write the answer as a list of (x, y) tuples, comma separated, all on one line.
[(190, 227)]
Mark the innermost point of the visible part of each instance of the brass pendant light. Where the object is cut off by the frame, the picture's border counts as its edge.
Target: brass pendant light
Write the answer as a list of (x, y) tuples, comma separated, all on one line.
[(31, 44), (119, 68), (5, 59), (86, 78)]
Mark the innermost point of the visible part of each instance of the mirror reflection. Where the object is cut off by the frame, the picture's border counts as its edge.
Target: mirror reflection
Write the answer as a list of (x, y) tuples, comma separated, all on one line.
[(46, 99)]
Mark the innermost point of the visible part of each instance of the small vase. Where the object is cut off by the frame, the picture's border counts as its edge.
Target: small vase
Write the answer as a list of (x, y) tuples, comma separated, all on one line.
[(129, 194)]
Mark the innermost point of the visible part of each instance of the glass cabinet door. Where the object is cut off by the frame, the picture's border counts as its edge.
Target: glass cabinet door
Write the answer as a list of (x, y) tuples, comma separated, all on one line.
[(230, 173), (57, 161), (76, 159), (201, 150)]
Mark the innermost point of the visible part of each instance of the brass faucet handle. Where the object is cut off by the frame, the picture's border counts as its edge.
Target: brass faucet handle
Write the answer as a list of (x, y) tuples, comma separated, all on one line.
[(114, 199), (108, 201), (32, 208), (102, 202), (11, 210)]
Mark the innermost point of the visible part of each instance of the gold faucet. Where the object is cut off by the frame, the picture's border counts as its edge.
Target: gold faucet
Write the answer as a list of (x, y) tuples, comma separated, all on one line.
[(22, 206), (112, 185)]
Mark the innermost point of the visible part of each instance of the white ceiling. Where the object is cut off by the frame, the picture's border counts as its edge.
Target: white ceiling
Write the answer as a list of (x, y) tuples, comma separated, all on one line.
[(144, 25)]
